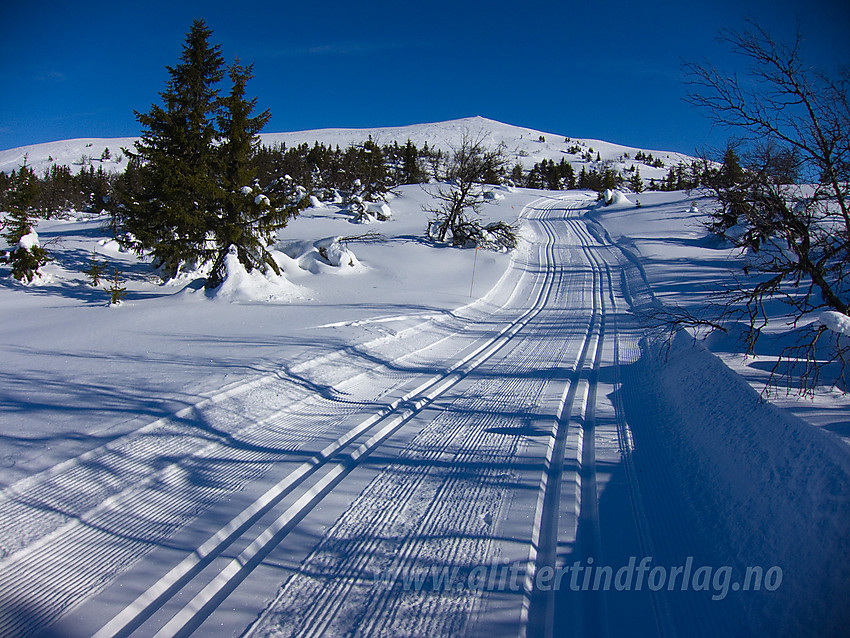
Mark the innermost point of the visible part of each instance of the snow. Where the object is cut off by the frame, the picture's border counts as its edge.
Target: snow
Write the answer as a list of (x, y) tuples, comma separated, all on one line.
[(71, 153), (522, 145), (835, 321), (29, 241), (239, 285), (137, 437), (380, 210), (615, 199)]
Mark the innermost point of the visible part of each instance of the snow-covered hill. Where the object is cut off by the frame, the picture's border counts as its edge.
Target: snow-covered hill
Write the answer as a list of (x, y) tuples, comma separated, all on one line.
[(524, 145)]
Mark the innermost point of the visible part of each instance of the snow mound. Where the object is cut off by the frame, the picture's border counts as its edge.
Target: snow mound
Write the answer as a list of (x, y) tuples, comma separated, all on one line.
[(335, 253), (379, 210), (328, 255), (835, 321), (615, 199), (787, 508), (239, 285)]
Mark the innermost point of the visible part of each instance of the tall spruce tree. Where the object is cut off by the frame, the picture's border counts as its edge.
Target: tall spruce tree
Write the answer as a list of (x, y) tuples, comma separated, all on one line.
[(178, 193)]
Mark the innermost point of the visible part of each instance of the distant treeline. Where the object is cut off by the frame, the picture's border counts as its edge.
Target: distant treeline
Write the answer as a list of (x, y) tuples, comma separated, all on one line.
[(324, 171)]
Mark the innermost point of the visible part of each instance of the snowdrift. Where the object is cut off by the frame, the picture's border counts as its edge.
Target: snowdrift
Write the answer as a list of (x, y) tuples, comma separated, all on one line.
[(775, 487), (239, 285)]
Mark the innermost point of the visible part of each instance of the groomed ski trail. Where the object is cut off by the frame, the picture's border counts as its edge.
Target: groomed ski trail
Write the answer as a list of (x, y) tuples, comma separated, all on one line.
[(479, 439)]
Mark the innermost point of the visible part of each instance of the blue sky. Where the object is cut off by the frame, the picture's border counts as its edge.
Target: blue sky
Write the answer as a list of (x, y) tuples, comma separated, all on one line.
[(606, 70)]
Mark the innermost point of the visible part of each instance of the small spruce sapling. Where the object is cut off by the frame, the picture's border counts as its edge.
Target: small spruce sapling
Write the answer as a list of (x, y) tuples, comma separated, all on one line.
[(96, 269), (117, 290)]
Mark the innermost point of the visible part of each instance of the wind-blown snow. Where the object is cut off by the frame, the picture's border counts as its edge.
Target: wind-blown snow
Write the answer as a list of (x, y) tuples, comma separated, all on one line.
[(239, 285)]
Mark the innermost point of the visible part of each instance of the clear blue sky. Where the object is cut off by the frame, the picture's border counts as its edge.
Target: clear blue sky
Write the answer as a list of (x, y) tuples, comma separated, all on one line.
[(609, 70)]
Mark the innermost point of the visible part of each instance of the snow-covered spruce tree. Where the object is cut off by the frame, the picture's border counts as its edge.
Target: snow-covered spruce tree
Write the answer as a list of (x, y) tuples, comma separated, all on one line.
[(248, 216), (25, 255), (367, 171), (459, 201), (177, 191), (788, 209)]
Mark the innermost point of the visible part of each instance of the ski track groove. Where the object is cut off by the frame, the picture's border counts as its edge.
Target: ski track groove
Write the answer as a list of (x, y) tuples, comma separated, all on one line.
[(324, 611), (325, 604), (470, 451), (86, 518), (136, 509), (537, 607), (492, 343)]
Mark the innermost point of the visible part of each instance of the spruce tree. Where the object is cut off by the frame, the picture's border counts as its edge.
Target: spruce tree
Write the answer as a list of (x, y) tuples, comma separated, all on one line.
[(116, 289), (178, 190), (411, 170), (636, 182), (374, 171), (25, 255), (96, 269), (248, 216)]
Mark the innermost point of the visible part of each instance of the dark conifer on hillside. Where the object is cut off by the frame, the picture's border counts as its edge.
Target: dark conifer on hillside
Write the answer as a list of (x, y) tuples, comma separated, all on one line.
[(192, 196), (412, 172), (177, 161)]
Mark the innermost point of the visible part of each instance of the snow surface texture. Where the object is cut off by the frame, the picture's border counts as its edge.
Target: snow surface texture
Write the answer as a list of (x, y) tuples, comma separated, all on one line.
[(240, 285), (434, 420), (762, 477)]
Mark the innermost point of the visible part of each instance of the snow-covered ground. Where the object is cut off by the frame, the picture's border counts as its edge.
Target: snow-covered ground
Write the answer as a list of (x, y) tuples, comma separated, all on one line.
[(521, 145), (389, 447)]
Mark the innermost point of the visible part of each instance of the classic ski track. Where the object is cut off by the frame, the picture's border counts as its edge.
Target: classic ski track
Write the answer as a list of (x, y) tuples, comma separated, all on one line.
[(331, 596), (33, 507), (384, 424), (45, 553), (491, 345), (325, 603), (460, 522), (588, 533), (577, 406), (192, 614), (42, 558)]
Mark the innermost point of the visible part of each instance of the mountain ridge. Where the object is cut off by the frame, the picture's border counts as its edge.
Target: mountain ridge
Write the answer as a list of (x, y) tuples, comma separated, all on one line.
[(524, 145)]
